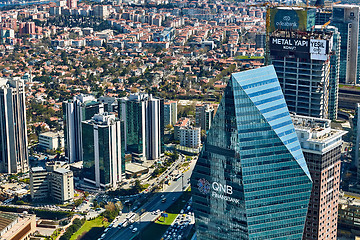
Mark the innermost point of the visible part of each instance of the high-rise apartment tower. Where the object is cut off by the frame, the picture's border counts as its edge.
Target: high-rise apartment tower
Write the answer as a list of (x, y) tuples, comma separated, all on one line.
[(321, 146), (13, 132), (80, 108)]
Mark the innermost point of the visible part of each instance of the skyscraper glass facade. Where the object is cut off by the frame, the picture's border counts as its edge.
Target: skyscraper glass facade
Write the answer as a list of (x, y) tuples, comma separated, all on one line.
[(103, 150), (251, 180), (346, 19)]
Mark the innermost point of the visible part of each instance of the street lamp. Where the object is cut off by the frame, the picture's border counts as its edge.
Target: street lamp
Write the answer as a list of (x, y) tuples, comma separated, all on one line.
[(182, 181)]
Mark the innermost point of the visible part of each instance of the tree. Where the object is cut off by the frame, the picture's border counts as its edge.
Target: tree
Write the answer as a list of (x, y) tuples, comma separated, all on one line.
[(138, 186)]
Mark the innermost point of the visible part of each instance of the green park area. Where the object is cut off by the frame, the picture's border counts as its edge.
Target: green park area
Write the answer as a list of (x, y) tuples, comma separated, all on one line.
[(247, 57), (156, 229), (91, 229), (348, 86)]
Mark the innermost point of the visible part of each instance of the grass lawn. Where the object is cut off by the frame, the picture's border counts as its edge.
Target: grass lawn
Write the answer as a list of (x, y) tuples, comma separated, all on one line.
[(168, 221), (95, 224), (349, 86), (247, 57)]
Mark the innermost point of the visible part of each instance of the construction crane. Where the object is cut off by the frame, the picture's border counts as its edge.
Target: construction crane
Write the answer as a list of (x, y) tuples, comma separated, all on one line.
[(325, 24)]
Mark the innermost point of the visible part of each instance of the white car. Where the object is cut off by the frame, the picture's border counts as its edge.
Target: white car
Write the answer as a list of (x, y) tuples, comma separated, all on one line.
[(134, 230), (131, 227)]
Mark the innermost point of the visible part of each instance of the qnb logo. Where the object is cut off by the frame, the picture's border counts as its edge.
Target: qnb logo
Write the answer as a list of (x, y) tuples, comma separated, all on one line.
[(203, 186), (286, 18), (222, 188)]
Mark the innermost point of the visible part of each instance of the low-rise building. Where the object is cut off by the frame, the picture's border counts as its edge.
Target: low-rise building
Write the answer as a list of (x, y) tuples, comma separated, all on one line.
[(55, 182), (14, 226), (62, 185), (51, 140), (183, 122), (190, 137), (349, 213), (39, 183)]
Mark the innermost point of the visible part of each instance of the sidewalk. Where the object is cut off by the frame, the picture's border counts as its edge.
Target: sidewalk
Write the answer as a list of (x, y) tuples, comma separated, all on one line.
[(68, 225)]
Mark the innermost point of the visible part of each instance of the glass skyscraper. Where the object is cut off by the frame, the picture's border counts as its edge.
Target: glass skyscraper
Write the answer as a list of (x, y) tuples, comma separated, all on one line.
[(346, 19), (144, 125), (103, 145), (251, 180), (82, 107)]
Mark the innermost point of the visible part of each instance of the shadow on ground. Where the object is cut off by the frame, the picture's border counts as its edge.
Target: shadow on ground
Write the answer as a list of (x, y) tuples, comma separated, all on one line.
[(93, 234)]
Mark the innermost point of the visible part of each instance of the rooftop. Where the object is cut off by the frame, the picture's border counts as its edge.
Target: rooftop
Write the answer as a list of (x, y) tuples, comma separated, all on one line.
[(302, 35), (6, 219), (62, 170), (38, 169), (182, 122), (316, 134), (50, 134)]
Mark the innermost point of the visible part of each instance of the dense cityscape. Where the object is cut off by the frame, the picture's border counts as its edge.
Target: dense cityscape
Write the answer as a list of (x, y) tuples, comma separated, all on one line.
[(179, 120)]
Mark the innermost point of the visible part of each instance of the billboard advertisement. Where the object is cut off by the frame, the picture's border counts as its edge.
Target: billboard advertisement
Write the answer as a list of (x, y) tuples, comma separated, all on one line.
[(318, 49), (289, 44), (291, 19), (315, 49)]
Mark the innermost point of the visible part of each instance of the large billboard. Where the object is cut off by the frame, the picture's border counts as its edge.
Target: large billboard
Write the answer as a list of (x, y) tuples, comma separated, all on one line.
[(314, 49), (318, 49), (286, 18)]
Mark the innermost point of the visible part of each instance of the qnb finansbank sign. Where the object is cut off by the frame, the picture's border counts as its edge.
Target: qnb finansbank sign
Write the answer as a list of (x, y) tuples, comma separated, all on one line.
[(217, 190)]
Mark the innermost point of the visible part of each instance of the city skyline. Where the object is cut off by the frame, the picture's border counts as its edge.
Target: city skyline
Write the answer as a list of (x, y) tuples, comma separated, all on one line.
[(168, 119)]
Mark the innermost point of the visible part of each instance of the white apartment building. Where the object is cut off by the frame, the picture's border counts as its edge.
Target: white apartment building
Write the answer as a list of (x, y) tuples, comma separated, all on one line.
[(190, 137), (51, 140)]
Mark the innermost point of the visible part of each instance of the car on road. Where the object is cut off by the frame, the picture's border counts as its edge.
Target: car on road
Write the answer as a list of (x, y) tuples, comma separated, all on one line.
[(131, 227), (163, 200), (134, 230)]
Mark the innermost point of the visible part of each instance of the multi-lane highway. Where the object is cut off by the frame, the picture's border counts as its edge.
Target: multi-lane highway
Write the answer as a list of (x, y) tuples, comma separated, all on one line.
[(147, 211)]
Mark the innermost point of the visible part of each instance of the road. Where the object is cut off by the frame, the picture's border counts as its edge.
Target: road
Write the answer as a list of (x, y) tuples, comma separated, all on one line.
[(171, 193)]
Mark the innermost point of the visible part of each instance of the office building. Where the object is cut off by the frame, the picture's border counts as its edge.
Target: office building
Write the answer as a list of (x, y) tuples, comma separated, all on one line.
[(13, 132), (144, 125), (190, 137), (356, 140), (62, 185), (260, 40), (349, 213), (251, 180), (39, 183), (51, 140), (53, 182), (302, 64), (82, 107), (103, 150), (346, 19), (323, 15), (170, 113), (101, 11), (17, 226), (334, 53), (204, 114), (110, 103), (321, 146)]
